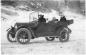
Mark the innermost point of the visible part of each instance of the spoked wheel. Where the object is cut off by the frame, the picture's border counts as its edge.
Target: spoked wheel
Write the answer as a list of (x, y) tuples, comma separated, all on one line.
[(11, 37), (49, 38), (23, 36), (64, 35)]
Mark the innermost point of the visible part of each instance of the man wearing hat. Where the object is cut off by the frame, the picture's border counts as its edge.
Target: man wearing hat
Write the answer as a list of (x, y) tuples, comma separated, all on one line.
[(41, 18)]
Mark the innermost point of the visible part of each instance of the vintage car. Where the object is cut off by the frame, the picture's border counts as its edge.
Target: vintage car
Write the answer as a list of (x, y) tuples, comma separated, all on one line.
[(24, 32)]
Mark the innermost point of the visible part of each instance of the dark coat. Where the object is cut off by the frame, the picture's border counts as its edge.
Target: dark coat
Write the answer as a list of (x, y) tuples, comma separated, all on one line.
[(41, 19), (63, 19)]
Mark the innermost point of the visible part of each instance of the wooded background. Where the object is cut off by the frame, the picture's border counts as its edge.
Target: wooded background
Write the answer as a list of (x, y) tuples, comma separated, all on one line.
[(77, 6)]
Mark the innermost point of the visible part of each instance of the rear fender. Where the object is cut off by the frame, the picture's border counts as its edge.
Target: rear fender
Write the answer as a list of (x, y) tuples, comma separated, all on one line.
[(59, 31), (67, 29)]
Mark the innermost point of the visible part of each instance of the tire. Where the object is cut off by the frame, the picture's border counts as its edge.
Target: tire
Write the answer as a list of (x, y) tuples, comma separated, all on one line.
[(23, 34), (64, 35), (49, 38), (10, 37)]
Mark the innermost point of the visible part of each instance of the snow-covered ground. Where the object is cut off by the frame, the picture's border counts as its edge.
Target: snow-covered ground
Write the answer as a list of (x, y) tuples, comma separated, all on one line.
[(39, 46)]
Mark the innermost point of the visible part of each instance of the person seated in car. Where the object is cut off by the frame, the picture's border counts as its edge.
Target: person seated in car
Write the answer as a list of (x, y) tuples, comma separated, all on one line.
[(41, 18), (55, 19), (62, 18)]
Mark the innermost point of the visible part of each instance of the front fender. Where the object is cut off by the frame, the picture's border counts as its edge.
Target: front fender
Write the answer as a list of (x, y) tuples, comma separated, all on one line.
[(11, 30), (32, 32)]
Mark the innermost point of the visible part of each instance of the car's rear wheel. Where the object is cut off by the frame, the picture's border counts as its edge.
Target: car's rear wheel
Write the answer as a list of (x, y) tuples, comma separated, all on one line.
[(23, 36), (11, 37), (49, 38), (64, 35)]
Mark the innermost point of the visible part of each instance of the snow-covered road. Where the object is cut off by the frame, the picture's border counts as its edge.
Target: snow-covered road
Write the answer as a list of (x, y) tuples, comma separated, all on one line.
[(41, 47)]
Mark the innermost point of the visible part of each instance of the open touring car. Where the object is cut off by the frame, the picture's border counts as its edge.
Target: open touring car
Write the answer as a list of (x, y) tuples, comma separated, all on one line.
[(24, 32)]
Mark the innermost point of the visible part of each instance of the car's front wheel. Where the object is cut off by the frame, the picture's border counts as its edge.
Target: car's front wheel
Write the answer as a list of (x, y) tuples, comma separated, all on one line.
[(64, 35), (23, 36), (11, 36), (49, 38)]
